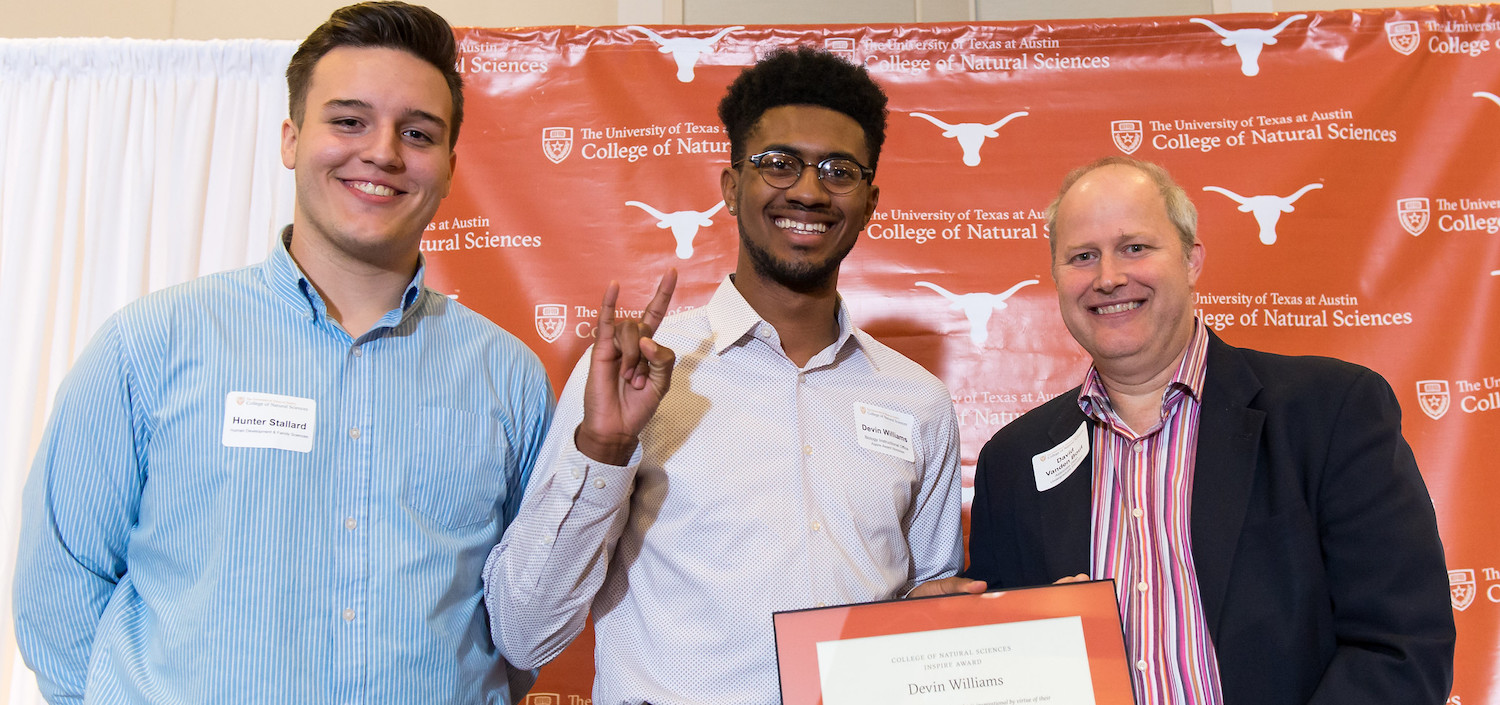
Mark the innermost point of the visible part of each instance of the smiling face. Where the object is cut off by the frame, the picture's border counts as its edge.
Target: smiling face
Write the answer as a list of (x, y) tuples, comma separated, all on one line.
[(795, 238), (1124, 283), (371, 156)]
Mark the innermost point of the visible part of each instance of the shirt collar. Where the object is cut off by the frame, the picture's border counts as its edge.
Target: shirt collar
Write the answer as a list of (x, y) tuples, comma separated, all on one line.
[(292, 286), (1191, 372), (732, 319)]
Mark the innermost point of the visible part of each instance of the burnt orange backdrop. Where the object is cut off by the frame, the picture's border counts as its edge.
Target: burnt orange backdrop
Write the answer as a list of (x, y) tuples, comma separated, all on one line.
[(1344, 165)]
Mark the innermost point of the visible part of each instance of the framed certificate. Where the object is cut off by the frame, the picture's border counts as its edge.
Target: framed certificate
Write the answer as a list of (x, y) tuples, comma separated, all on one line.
[(1048, 645)]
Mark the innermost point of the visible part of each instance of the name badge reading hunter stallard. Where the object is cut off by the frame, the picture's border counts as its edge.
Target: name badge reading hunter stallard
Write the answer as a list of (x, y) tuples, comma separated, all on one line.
[(1054, 466), (884, 431), (256, 420)]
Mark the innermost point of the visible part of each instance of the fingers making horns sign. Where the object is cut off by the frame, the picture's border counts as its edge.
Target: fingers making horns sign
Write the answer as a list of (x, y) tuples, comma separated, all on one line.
[(629, 374)]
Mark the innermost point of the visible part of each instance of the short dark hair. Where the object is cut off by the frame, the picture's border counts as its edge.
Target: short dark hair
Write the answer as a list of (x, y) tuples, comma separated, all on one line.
[(803, 76), (1180, 209), (383, 24)]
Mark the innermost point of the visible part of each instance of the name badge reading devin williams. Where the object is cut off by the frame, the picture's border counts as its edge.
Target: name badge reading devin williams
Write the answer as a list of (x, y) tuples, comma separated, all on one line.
[(884, 431), (257, 420)]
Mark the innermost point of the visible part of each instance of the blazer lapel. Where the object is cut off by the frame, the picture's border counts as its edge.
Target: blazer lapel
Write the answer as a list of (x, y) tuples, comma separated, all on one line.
[(1065, 510), (1228, 436)]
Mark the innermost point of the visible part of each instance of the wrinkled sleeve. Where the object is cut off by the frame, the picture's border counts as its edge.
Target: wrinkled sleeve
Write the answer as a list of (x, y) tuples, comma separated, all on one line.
[(541, 579), (1384, 559), (934, 532), (79, 506)]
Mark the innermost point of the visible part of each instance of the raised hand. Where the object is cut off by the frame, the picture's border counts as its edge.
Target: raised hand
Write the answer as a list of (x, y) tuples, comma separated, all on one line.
[(629, 374)]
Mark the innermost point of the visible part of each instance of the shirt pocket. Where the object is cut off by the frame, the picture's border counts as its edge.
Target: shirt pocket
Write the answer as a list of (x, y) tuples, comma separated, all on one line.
[(457, 475)]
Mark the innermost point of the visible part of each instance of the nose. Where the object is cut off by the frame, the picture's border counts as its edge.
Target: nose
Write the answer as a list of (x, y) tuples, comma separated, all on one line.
[(808, 189), (1110, 275), (383, 149)]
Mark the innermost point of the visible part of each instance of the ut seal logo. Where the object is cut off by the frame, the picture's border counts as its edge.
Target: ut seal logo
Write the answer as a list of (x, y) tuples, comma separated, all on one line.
[(1127, 135), (557, 142), (1461, 588), (1405, 36), (550, 321), (842, 47), (1432, 395), (1414, 214)]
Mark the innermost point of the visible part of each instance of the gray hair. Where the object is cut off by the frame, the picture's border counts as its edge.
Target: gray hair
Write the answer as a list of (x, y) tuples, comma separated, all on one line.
[(1180, 209)]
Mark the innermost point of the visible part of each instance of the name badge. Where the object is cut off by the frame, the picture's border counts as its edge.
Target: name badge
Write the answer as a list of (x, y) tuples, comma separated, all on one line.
[(1053, 466), (257, 420), (884, 431)]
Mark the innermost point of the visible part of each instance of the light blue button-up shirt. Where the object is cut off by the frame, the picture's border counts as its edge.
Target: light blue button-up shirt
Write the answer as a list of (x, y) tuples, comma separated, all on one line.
[(167, 559)]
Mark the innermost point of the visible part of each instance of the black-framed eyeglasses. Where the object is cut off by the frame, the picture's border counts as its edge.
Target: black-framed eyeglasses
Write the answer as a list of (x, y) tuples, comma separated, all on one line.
[(839, 175)]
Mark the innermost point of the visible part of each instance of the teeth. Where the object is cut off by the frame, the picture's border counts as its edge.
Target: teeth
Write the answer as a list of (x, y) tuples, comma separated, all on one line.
[(789, 224), (373, 189), (1117, 308)]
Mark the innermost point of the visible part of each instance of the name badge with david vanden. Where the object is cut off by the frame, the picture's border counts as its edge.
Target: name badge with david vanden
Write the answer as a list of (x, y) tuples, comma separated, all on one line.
[(1047, 645)]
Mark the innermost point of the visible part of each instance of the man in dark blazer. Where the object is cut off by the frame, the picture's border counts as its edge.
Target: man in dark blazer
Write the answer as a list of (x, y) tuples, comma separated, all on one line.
[(1277, 506)]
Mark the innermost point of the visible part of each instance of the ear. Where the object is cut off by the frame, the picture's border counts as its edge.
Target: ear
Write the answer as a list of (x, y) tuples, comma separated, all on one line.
[(452, 168), (870, 205), (288, 144), (1195, 262), (729, 186)]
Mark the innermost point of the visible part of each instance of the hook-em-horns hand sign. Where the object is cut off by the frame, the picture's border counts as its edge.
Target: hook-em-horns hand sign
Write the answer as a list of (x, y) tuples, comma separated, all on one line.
[(628, 376)]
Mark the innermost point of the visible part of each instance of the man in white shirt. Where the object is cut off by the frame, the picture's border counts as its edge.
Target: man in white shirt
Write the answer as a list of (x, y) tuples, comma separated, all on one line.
[(795, 462)]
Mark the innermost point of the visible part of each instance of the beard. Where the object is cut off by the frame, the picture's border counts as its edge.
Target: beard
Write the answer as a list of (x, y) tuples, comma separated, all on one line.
[(801, 277)]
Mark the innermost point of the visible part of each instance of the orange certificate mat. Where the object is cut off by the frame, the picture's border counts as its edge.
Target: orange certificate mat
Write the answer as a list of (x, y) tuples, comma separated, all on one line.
[(1048, 645)]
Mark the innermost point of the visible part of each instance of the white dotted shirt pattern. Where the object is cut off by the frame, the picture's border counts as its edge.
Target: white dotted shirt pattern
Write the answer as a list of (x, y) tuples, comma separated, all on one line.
[(750, 494)]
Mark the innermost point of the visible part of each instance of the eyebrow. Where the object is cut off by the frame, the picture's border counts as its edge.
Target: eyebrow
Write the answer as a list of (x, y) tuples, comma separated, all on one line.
[(801, 155), (355, 103)]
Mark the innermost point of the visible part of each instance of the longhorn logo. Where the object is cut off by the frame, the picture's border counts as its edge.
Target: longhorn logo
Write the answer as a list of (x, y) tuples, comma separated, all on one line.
[(1488, 96), (684, 50), (970, 135), (1405, 36), (978, 306), (1413, 214), (1267, 209), (684, 224), (1248, 42)]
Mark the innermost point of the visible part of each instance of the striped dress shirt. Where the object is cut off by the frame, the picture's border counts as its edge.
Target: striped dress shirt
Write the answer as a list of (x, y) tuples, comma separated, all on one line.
[(751, 493), (165, 559), (1143, 487)]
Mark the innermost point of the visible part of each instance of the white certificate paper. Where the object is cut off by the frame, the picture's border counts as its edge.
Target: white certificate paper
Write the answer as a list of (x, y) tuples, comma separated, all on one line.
[(1036, 662)]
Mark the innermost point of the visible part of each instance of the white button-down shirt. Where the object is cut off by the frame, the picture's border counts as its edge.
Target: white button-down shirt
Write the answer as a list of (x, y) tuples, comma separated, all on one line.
[(750, 494)]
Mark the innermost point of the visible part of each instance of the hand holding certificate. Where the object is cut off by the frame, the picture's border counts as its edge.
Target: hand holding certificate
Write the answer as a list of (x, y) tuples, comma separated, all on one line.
[(1035, 646)]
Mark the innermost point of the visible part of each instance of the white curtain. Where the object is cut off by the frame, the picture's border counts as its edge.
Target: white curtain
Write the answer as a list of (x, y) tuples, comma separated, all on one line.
[(125, 166)]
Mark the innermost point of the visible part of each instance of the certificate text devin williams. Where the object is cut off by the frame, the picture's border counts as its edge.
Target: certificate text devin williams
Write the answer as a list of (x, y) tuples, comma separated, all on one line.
[(965, 683)]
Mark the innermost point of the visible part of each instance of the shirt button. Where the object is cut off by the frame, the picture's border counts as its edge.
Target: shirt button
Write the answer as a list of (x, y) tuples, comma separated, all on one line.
[(1141, 586), (1137, 513), (359, 353), (348, 615), (576, 474), (547, 541), (764, 333), (807, 450), (1140, 665), (1140, 447), (354, 433), (816, 526), (599, 483), (822, 605), (350, 523)]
